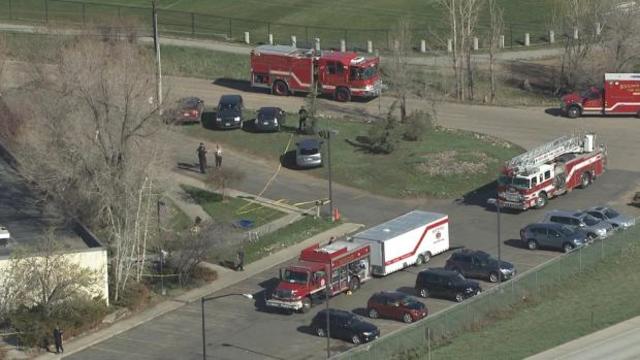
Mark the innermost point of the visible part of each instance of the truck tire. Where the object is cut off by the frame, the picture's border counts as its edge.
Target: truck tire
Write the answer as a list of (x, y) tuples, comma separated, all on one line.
[(574, 111), (426, 256), (419, 260), (280, 88), (542, 200), (306, 305), (494, 277), (354, 284), (424, 293), (342, 94), (585, 180)]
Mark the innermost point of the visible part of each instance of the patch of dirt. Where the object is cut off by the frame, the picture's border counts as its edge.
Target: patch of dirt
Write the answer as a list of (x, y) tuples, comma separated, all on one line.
[(447, 163)]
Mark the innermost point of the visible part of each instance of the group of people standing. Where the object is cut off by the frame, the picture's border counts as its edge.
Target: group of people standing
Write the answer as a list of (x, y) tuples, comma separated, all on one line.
[(202, 157)]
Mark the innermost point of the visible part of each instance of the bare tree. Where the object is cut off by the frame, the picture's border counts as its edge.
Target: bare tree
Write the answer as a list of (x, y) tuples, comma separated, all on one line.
[(496, 29), (400, 75), (92, 146), (222, 178), (620, 39), (462, 18), (577, 59), (187, 250), (43, 276)]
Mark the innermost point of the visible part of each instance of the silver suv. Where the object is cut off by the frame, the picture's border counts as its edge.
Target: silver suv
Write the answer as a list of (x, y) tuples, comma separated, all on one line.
[(595, 228), (550, 235), (611, 216), (309, 153)]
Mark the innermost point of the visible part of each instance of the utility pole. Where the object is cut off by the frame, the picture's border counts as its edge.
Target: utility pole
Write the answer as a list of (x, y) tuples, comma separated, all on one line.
[(156, 43), (328, 291), (499, 241)]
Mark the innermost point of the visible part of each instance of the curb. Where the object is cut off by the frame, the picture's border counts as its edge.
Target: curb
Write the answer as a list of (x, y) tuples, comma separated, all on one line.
[(83, 342)]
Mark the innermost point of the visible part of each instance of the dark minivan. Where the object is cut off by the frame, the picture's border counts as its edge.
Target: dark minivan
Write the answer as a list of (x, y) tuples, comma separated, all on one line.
[(344, 325), (448, 284), (479, 264), (229, 113)]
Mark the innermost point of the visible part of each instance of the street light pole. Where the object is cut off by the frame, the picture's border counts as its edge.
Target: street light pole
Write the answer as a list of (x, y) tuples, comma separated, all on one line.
[(328, 291), (499, 241), (202, 301), (330, 182), (160, 203)]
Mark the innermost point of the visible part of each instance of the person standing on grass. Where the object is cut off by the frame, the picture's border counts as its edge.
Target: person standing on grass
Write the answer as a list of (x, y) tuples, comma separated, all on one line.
[(57, 338), (218, 157), (202, 157)]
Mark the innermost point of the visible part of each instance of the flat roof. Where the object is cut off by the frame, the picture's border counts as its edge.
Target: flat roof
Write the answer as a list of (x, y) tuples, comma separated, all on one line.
[(27, 218), (283, 50), (400, 225)]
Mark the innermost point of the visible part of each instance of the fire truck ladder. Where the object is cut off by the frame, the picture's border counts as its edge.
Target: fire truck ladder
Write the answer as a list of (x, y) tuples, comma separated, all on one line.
[(545, 153)]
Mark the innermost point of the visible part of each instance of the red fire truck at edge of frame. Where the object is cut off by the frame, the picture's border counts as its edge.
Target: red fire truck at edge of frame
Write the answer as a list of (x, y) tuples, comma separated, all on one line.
[(620, 95), (286, 70), (530, 179), (346, 262)]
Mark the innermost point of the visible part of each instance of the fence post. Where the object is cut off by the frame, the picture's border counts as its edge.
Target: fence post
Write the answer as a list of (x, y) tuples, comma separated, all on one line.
[(193, 24), (247, 40), (511, 35), (388, 39), (294, 41), (423, 46), (580, 260), (346, 35), (270, 39), (527, 40), (601, 249), (449, 45), (84, 14), (429, 343), (501, 42), (343, 45)]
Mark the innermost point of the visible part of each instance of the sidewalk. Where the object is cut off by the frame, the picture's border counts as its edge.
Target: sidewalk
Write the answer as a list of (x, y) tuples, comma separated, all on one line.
[(226, 279), (620, 341)]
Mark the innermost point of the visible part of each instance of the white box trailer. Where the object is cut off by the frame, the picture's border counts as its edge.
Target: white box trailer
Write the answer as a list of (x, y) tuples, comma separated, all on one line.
[(406, 240)]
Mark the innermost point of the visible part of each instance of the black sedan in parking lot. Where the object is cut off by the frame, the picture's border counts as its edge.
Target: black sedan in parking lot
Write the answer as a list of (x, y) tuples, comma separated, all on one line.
[(269, 119)]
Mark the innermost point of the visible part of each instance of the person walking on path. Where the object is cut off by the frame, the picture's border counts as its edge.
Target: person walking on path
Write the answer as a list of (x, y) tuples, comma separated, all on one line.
[(218, 157), (57, 337), (240, 260), (302, 122), (202, 157)]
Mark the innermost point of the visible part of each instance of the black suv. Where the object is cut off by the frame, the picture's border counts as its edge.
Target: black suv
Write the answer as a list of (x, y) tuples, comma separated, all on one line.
[(479, 264), (229, 113), (445, 283), (344, 325)]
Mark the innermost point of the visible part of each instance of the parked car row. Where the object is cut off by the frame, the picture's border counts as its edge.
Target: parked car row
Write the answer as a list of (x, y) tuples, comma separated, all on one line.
[(448, 283), (229, 115), (568, 230)]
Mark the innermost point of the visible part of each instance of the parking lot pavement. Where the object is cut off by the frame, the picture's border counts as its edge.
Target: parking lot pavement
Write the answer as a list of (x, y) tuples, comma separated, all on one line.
[(240, 329)]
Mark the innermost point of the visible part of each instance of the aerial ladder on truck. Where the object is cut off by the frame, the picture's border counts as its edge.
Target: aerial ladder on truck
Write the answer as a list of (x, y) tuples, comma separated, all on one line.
[(545, 153)]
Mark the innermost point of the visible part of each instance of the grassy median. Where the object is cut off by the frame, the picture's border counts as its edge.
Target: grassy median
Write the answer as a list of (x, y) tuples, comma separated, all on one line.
[(232, 209)]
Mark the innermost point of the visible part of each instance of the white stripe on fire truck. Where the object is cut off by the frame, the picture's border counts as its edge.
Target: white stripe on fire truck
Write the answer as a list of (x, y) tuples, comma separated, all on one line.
[(611, 108), (288, 73)]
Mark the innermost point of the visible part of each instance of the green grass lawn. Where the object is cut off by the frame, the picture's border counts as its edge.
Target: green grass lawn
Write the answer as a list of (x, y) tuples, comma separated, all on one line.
[(286, 236), (330, 20), (404, 173), (232, 209), (594, 299)]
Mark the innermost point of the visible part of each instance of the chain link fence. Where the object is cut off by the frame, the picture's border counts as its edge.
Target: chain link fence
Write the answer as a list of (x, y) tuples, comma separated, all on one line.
[(416, 340)]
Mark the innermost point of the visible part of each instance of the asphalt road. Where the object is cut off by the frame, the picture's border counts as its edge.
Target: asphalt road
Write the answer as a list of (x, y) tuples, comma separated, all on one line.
[(239, 329)]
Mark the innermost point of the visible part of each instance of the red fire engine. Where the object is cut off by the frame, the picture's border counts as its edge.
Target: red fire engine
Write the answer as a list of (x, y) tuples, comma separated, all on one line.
[(619, 96), (286, 69), (530, 179), (346, 263)]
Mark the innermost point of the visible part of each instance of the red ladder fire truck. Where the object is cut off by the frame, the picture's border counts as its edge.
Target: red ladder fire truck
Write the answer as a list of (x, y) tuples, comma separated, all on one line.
[(286, 69), (530, 179), (346, 263)]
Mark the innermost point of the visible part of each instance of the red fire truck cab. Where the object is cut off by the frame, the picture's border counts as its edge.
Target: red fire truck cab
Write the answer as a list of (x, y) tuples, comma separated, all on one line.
[(620, 95), (345, 263), (286, 70)]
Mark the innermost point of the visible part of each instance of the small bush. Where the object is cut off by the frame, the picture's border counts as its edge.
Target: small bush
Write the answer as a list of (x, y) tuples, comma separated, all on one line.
[(417, 125), (205, 274), (75, 317), (135, 296)]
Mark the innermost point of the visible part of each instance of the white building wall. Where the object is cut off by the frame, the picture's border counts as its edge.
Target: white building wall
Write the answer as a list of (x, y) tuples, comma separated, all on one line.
[(93, 259)]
